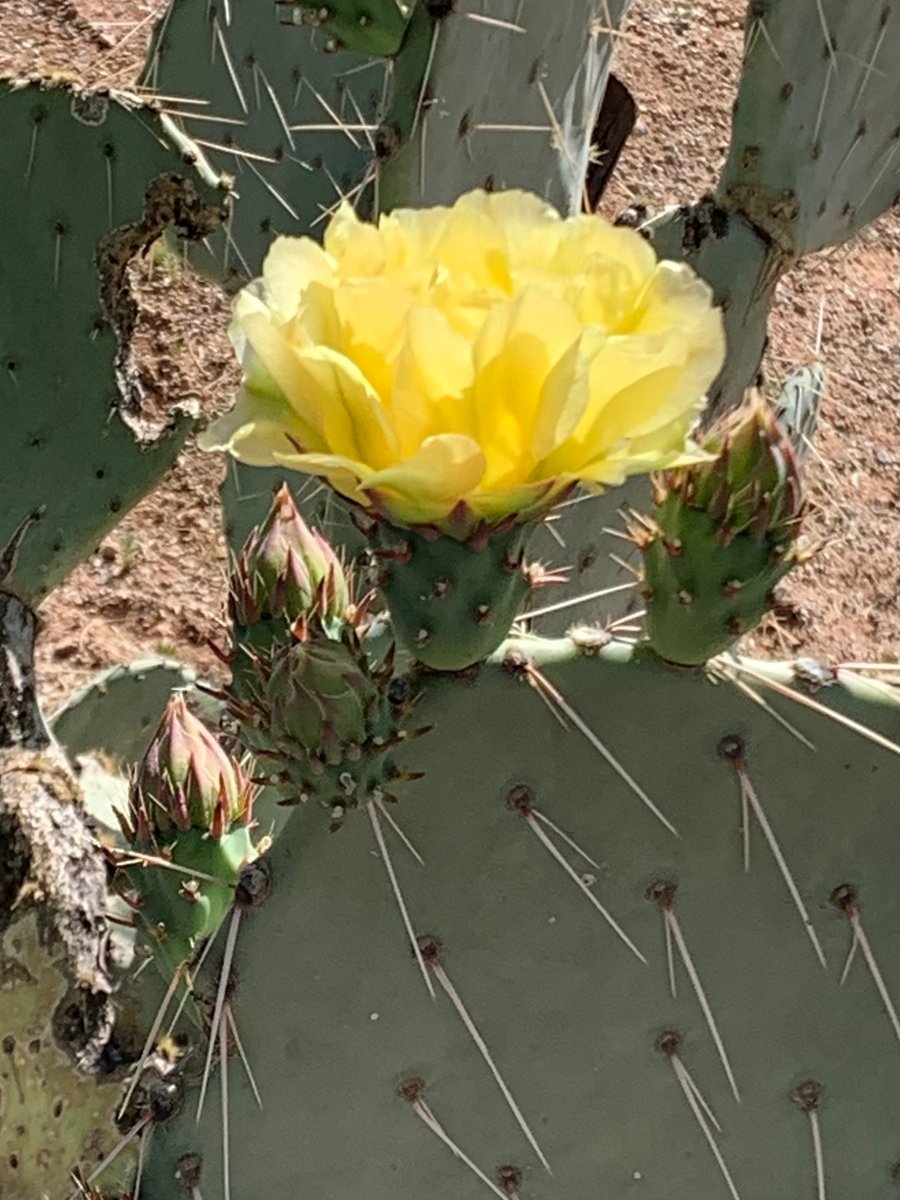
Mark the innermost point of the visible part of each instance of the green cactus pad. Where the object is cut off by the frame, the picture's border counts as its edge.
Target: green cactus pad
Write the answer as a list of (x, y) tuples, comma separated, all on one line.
[(570, 1015), (177, 909), (452, 603), (118, 711), (88, 181), (262, 79), (51, 1115), (373, 27), (56, 1012), (701, 600), (722, 534), (448, 127), (814, 148)]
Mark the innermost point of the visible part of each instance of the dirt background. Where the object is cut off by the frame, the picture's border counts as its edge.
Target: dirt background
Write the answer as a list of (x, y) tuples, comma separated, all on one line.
[(157, 584)]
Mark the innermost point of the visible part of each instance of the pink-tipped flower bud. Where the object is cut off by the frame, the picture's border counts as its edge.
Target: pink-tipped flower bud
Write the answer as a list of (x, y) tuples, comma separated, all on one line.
[(187, 781), (288, 571)]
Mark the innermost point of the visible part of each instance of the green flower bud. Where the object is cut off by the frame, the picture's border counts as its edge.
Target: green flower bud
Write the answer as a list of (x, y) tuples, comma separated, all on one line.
[(319, 699), (722, 534), (753, 484)]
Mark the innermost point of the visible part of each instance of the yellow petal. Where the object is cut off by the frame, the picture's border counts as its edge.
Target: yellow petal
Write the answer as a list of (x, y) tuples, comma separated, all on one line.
[(588, 245), (676, 299), (469, 226), (494, 506), (565, 395), (651, 400), (290, 265), (640, 383), (674, 324), (269, 355), (426, 486), (411, 236), (510, 209), (356, 246), (316, 319), (248, 303), (340, 402), (667, 447), (520, 343), (607, 291), (530, 227), (326, 391), (432, 384), (256, 430), (344, 474), (371, 315)]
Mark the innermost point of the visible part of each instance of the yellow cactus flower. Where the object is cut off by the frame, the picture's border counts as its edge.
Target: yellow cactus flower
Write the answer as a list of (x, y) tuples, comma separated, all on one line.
[(463, 365)]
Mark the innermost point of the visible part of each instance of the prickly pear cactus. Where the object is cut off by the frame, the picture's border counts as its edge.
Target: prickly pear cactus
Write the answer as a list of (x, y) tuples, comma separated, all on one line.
[(566, 920), (88, 181), (617, 957)]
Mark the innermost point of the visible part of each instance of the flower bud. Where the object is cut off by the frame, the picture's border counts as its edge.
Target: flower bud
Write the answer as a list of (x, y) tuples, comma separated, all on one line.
[(723, 533), (320, 701), (288, 571), (187, 781), (754, 483)]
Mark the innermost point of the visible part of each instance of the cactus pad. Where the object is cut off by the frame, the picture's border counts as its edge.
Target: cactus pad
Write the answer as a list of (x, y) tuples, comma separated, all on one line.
[(815, 147), (452, 603), (373, 27), (118, 711), (723, 533), (448, 127), (365, 1075), (56, 1106), (85, 186), (283, 117)]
